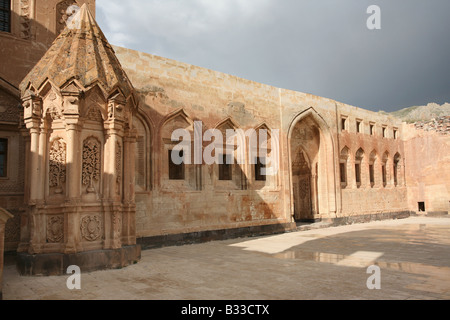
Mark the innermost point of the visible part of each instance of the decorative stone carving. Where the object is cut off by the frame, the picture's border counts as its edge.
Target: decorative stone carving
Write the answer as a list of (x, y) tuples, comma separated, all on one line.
[(304, 188), (55, 229), (117, 224), (25, 19), (70, 105), (303, 134), (91, 163), (94, 114), (115, 111), (32, 109), (11, 114), (300, 165), (54, 113), (57, 165), (91, 228), (118, 167), (12, 229)]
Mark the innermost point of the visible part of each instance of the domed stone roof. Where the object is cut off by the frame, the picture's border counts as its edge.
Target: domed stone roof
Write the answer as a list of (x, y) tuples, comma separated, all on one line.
[(81, 53)]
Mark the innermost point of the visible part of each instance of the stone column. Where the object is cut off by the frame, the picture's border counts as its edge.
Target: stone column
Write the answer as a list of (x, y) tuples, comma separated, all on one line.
[(71, 103), (115, 167), (113, 213), (73, 161), (4, 217), (32, 118), (43, 138), (129, 233)]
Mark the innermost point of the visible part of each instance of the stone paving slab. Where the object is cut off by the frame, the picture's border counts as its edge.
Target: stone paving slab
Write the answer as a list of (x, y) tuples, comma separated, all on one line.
[(413, 255)]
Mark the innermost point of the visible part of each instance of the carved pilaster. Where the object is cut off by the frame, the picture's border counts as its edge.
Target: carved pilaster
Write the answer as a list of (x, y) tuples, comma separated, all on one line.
[(57, 166), (91, 165), (32, 117), (25, 18)]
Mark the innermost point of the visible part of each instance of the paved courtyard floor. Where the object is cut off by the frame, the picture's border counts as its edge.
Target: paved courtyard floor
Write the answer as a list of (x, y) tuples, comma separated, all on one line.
[(413, 256)]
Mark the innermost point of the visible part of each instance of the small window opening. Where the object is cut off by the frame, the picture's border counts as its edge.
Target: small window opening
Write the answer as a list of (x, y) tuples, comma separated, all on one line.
[(421, 206), (176, 171)]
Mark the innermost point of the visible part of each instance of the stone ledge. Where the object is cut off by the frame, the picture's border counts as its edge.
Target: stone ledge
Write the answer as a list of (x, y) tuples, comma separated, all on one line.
[(51, 264), (365, 218), (437, 213), (212, 235), (179, 239)]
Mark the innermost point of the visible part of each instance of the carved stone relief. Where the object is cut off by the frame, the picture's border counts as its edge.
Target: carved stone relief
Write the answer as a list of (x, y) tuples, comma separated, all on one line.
[(118, 167), (12, 229), (91, 163), (302, 134), (25, 19), (55, 229), (10, 114), (91, 228), (94, 114), (57, 165), (304, 188), (117, 224)]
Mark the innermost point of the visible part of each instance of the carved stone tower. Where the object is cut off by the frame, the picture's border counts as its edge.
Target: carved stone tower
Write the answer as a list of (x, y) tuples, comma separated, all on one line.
[(78, 110)]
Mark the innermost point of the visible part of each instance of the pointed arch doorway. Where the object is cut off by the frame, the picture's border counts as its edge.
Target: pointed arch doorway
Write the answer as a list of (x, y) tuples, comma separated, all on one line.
[(312, 173)]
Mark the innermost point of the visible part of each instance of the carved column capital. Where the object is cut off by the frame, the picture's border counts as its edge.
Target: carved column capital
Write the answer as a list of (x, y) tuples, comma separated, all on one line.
[(32, 106), (71, 102)]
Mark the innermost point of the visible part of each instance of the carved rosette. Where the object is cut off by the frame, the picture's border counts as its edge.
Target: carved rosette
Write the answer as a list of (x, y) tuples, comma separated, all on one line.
[(91, 163), (55, 229), (57, 165), (91, 228)]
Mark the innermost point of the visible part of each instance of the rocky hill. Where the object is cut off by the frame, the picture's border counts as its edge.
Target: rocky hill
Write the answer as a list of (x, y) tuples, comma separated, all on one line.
[(432, 117), (423, 113)]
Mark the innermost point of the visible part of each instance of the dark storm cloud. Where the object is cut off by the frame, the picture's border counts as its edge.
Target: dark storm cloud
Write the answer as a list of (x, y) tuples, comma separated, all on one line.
[(320, 47)]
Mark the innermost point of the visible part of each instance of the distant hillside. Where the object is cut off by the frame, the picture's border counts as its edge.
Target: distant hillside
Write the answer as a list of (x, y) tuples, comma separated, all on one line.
[(423, 113)]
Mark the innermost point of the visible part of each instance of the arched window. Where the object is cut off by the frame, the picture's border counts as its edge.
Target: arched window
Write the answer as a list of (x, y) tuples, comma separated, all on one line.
[(178, 121), (229, 152), (5, 15), (142, 157), (178, 170)]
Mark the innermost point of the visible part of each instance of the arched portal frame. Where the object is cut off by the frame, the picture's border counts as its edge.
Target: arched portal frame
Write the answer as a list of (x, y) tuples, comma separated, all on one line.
[(325, 165)]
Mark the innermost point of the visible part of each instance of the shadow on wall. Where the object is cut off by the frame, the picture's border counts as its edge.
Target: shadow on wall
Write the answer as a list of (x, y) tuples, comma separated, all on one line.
[(20, 50), (192, 203)]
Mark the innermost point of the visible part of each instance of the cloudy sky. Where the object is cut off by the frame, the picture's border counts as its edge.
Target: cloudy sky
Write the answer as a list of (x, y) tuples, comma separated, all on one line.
[(321, 47)]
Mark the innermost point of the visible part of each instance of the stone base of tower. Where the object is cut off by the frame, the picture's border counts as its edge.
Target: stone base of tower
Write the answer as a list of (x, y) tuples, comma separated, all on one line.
[(52, 264)]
